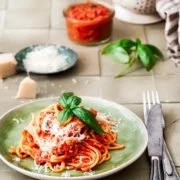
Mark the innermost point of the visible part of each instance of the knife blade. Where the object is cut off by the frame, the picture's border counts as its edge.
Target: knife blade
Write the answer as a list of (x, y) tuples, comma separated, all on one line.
[(155, 141)]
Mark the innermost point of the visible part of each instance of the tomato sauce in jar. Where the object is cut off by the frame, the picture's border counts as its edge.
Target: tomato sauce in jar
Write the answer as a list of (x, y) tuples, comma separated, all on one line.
[(89, 23)]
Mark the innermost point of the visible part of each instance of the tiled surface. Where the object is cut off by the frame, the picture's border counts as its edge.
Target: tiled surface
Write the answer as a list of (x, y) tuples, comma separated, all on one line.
[(29, 4), (125, 30), (3, 4), (14, 40), (168, 87), (57, 18), (155, 34), (2, 19), (171, 136), (31, 19), (126, 89), (29, 22), (126, 174)]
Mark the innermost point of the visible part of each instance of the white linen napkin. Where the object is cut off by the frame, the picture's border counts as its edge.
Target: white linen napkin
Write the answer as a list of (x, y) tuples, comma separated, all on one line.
[(170, 11)]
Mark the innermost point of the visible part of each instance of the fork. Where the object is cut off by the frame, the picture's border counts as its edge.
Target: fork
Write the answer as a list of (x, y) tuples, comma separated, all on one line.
[(169, 168)]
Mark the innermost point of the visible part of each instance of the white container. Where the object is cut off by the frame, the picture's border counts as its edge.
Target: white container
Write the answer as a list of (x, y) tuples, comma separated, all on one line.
[(138, 6)]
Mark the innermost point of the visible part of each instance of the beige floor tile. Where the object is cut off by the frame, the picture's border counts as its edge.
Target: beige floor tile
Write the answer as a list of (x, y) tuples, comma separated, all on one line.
[(112, 68), (88, 56), (126, 174), (155, 35), (12, 175), (55, 85), (168, 87), (166, 67), (173, 141), (171, 113), (125, 89), (2, 19), (14, 40), (31, 18), (61, 37), (4, 167), (60, 4), (125, 30), (29, 4), (57, 18), (3, 4)]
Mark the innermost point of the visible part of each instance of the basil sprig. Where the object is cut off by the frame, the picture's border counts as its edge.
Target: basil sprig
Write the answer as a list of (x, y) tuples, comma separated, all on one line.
[(70, 103), (127, 51)]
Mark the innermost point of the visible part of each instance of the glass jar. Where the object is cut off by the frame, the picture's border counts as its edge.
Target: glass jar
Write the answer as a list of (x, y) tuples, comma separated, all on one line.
[(89, 23)]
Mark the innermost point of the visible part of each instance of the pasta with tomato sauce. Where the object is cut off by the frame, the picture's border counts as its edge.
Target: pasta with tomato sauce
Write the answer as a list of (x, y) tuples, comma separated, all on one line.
[(69, 146)]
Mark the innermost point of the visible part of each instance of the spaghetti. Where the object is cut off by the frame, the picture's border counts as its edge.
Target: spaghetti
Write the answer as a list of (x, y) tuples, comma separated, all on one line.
[(70, 146)]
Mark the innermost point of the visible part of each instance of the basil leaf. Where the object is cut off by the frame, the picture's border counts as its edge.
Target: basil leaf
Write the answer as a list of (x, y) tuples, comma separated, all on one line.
[(65, 115), (138, 41), (110, 48), (120, 55), (155, 50), (145, 56), (88, 118), (127, 44), (64, 98), (73, 101)]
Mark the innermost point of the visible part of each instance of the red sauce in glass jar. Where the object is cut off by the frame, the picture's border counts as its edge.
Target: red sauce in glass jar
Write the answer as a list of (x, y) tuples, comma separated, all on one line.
[(89, 23)]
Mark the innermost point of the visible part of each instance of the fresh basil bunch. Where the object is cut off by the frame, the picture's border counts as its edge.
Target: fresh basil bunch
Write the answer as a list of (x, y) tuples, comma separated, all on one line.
[(128, 52), (70, 103)]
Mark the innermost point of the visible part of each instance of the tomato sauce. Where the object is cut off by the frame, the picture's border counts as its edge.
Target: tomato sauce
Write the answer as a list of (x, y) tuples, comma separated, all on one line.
[(89, 23)]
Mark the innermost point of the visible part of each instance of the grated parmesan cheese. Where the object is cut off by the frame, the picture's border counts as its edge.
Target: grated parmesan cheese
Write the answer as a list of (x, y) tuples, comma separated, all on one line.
[(89, 173), (66, 174), (74, 81), (45, 60), (17, 159), (41, 168), (65, 133)]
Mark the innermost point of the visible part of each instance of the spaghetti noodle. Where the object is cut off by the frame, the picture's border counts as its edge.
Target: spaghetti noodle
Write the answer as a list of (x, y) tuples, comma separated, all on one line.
[(70, 146)]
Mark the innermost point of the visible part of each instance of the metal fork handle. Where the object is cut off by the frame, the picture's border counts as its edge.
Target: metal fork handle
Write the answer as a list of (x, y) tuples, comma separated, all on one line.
[(155, 169), (169, 167)]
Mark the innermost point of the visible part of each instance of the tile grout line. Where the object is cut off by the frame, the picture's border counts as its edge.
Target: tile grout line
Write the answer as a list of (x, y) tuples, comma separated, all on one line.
[(99, 62)]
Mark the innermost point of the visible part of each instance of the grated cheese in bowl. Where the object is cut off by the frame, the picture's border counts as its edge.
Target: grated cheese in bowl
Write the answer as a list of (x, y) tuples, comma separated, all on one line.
[(47, 59)]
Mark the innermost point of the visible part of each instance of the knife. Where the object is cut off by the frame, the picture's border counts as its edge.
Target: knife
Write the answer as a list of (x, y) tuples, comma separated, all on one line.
[(155, 141), (169, 167)]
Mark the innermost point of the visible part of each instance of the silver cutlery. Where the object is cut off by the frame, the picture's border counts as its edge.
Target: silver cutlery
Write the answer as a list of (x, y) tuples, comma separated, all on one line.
[(169, 169), (153, 120)]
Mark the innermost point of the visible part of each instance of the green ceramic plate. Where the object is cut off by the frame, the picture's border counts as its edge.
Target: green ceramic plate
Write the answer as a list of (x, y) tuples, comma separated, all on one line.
[(131, 132)]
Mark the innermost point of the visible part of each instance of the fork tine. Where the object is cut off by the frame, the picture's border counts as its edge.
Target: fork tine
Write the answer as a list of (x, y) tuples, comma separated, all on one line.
[(145, 107), (153, 97), (148, 100), (158, 102), (157, 98)]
